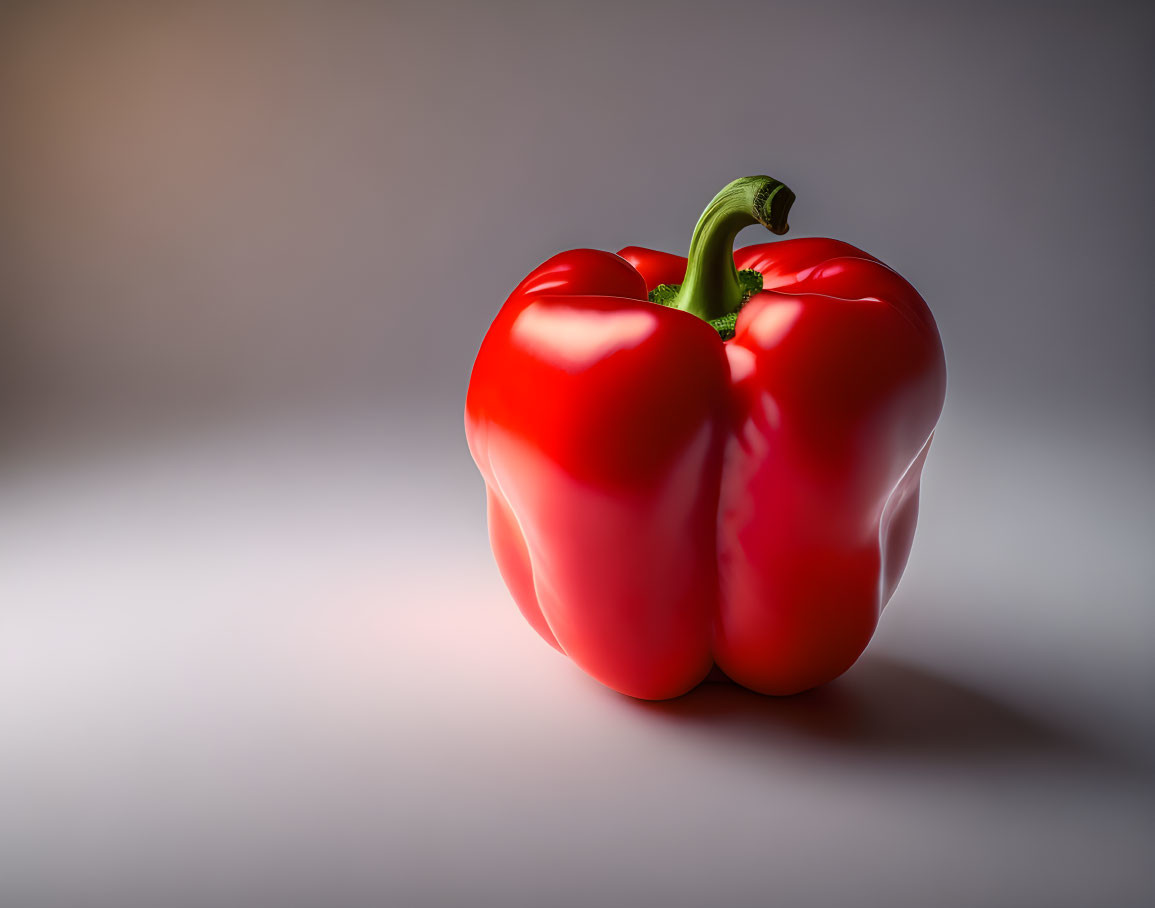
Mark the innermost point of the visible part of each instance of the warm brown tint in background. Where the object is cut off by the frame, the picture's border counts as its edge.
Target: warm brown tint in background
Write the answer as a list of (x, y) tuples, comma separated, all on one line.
[(252, 646)]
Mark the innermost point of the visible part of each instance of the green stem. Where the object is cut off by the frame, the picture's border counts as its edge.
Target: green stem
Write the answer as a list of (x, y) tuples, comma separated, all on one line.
[(711, 289)]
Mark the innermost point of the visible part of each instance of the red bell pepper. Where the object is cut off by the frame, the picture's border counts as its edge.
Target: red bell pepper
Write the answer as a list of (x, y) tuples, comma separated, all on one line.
[(710, 461)]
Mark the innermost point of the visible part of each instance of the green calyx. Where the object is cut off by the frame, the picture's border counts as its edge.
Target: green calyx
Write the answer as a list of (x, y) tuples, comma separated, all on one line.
[(751, 282), (713, 289)]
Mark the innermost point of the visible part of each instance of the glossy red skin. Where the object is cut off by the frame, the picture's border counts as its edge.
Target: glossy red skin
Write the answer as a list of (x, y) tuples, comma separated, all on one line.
[(661, 501)]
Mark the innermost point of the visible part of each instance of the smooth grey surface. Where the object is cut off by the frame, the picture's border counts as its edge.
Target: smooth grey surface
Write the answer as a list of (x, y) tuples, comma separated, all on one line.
[(276, 666), (253, 649)]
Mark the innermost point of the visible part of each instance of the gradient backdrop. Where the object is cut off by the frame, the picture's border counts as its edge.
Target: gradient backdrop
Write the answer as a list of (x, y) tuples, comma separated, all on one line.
[(253, 648)]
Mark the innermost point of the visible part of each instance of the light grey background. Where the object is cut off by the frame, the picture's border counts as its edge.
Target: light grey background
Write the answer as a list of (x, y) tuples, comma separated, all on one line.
[(253, 649)]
